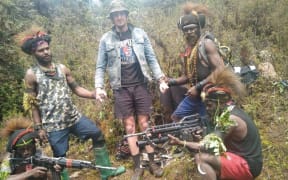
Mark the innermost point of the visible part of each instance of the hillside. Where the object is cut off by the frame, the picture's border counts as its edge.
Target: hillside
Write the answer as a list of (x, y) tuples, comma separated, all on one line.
[(247, 27)]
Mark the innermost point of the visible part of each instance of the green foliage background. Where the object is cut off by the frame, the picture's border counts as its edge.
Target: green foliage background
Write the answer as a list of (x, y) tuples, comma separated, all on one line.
[(76, 27)]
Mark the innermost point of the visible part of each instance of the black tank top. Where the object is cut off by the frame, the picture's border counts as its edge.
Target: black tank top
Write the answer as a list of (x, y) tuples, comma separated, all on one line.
[(250, 147)]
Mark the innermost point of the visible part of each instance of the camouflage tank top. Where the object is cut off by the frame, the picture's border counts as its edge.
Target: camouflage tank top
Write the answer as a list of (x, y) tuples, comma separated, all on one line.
[(54, 100)]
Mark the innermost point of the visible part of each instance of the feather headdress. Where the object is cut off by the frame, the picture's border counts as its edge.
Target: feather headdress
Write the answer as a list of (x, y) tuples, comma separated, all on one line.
[(20, 37), (225, 84), (14, 124), (28, 39), (195, 8), (18, 132), (193, 14)]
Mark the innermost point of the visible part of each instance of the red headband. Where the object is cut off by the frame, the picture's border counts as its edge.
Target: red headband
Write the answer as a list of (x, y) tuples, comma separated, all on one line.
[(20, 135), (214, 89), (38, 34), (211, 90)]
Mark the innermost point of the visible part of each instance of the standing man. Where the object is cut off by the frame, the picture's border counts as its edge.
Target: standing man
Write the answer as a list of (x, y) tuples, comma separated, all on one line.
[(201, 58), (243, 159), (127, 54), (55, 116)]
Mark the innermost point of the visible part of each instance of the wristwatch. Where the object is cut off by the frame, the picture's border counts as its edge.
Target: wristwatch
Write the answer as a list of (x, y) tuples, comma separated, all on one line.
[(38, 127)]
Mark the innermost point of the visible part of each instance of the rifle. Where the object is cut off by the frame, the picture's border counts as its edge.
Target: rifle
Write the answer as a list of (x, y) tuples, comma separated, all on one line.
[(183, 129), (49, 163)]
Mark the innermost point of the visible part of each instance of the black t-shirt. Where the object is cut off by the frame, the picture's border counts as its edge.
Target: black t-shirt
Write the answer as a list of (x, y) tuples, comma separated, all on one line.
[(131, 73)]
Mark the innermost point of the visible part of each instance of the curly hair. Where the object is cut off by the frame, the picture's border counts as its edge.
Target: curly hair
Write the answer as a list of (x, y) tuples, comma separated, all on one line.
[(30, 43), (28, 39)]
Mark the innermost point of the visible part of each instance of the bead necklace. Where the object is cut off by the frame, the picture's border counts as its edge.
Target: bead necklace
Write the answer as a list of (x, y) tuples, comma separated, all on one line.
[(48, 71), (191, 68)]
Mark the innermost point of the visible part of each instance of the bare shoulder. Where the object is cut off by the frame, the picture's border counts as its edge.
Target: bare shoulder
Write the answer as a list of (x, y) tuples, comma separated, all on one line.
[(30, 75), (240, 129), (210, 45), (64, 69), (62, 66), (235, 118)]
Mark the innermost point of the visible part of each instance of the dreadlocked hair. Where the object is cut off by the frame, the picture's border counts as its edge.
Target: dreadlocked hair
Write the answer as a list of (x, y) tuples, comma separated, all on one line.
[(14, 124), (28, 39), (228, 79), (193, 8)]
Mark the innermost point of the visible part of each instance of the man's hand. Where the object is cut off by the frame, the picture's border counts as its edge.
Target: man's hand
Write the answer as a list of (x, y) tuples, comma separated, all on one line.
[(100, 94), (163, 86), (37, 172), (198, 135), (57, 167), (42, 136), (174, 140)]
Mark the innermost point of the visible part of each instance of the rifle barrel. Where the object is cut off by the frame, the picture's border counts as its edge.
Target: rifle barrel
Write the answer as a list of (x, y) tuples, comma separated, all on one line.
[(136, 134), (163, 138), (49, 162), (168, 127)]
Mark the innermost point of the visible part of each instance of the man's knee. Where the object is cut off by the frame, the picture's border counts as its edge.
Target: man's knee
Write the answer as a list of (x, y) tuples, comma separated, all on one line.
[(144, 125), (202, 157), (206, 158), (130, 128), (197, 158)]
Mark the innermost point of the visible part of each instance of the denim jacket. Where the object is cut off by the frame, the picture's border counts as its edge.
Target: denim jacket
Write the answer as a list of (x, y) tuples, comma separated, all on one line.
[(109, 57)]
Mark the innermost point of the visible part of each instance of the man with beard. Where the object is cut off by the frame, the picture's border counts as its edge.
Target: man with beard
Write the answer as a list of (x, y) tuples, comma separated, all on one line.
[(127, 54), (243, 157), (48, 88), (201, 58)]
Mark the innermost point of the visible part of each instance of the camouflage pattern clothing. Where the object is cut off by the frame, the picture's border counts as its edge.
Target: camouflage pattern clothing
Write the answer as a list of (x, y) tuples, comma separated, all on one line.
[(54, 100)]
